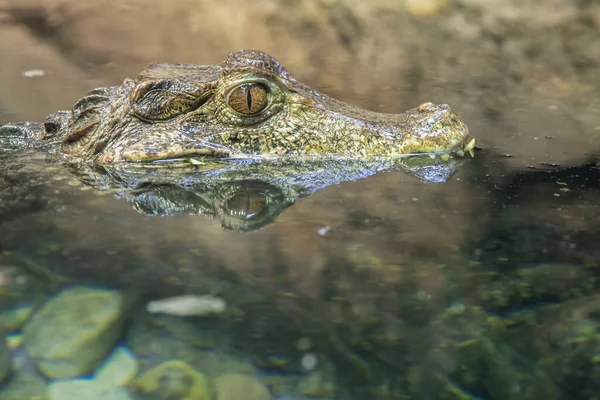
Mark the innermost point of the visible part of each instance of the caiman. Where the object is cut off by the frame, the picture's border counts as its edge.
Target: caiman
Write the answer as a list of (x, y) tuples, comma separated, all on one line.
[(241, 140), (247, 106)]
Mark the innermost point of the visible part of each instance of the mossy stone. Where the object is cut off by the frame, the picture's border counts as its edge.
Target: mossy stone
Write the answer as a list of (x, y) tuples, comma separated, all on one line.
[(71, 334), (89, 389)]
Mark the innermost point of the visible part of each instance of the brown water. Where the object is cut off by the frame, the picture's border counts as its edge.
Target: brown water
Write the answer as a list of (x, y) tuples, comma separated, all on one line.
[(481, 287)]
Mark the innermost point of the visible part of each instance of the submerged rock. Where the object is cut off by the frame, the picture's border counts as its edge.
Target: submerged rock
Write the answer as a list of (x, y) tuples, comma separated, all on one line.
[(155, 338), (119, 369), (23, 386), (74, 331), (188, 305), (14, 341), (240, 386), (89, 389), (173, 380), (11, 321)]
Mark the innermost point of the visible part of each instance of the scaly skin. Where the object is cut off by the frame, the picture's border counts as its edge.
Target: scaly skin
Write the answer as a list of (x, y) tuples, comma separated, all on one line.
[(182, 110)]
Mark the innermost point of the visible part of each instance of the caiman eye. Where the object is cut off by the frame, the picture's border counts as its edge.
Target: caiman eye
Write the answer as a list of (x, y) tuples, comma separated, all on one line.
[(249, 98), (245, 205), (156, 101)]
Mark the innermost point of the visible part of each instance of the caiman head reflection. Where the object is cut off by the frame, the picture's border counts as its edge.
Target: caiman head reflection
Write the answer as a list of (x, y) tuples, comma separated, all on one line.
[(247, 195)]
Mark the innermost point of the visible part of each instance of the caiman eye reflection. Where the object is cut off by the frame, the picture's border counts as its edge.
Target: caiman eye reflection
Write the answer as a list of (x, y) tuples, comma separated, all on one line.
[(245, 204), (241, 205), (249, 98)]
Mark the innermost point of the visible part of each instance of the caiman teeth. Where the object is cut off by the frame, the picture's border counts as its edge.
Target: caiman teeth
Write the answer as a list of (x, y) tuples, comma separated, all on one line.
[(468, 148), (470, 145), (445, 157)]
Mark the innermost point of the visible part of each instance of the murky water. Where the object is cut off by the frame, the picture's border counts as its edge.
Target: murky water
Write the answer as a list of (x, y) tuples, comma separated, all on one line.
[(476, 279)]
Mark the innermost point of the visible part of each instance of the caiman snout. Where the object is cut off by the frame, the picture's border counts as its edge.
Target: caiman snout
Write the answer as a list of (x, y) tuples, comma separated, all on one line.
[(429, 128), (434, 128)]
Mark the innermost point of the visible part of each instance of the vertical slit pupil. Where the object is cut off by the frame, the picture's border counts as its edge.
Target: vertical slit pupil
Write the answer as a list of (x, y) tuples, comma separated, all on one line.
[(249, 99)]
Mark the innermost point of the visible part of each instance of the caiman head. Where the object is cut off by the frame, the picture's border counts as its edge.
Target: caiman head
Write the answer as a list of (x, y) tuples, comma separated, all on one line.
[(249, 105)]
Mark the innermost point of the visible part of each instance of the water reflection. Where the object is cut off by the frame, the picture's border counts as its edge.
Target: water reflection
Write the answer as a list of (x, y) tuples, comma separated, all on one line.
[(244, 205), (245, 195)]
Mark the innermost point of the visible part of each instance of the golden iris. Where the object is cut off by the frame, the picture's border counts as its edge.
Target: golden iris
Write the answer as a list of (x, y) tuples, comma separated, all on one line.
[(249, 98)]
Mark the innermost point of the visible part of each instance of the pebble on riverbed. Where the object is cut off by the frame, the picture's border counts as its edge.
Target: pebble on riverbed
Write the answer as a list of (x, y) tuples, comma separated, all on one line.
[(188, 305), (14, 341), (11, 321), (23, 385), (74, 331), (119, 369), (173, 380), (88, 389)]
